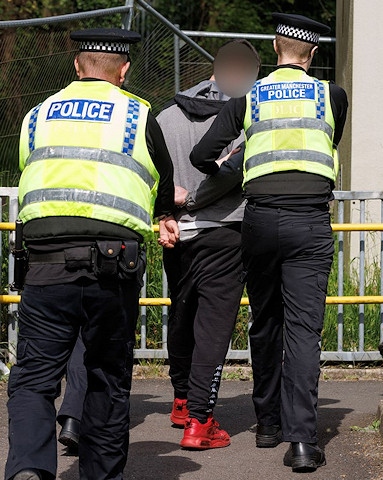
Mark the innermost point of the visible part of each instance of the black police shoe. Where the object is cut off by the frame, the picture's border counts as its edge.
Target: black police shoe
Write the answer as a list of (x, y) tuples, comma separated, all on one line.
[(268, 436), (30, 474), (304, 457), (70, 433)]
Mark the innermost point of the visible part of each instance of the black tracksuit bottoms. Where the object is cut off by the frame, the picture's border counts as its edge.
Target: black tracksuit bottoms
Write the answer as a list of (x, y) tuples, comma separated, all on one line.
[(204, 276)]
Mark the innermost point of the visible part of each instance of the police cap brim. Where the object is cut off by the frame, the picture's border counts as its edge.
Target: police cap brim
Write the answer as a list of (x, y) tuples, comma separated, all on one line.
[(106, 40), (299, 21)]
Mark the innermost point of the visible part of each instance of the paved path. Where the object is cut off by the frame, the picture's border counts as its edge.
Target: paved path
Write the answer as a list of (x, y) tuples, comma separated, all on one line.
[(154, 454)]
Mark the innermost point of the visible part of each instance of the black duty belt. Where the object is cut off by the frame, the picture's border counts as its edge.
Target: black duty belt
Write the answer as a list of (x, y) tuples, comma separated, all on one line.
[(108, 259), (324, 207), (42, 258), (82, 256)]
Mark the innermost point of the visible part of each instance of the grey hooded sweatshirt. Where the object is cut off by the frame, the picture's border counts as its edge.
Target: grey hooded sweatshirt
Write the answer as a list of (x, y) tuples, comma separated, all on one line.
[(216, 200)]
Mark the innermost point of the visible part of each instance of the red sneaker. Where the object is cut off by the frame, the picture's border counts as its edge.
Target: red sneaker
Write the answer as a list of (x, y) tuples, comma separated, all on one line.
[(201, 436), (180, 412)]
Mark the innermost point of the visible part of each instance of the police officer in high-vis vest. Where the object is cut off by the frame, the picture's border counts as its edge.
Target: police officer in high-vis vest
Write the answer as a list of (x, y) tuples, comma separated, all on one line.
[(95, 169), (293, 124)]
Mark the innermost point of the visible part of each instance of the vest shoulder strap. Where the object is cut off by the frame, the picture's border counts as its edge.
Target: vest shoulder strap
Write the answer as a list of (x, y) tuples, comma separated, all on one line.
[(136, 97)]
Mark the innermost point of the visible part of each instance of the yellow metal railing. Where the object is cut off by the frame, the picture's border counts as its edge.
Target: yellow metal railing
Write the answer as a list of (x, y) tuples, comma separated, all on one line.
[(245, 301), (333, 300), (7, 226), (357, 227)]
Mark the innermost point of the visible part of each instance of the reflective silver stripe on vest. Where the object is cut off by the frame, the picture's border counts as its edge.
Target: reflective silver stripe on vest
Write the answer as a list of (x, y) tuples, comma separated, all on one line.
[(93, 155), (87, 196), (289, 155), (291, 123)]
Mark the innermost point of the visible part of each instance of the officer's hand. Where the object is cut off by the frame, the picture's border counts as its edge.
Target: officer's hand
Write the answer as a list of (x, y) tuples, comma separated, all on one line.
[(226, 157), (169, 232)]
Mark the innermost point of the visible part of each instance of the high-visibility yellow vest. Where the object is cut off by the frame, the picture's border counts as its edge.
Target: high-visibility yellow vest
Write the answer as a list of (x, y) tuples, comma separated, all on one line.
[(289, 125), (83, 153)]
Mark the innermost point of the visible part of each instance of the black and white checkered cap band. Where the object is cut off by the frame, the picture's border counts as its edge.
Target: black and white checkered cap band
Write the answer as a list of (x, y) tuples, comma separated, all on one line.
[(298, 33), (109, 47)]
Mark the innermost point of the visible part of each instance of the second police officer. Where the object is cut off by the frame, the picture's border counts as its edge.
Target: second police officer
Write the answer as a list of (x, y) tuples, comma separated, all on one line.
[(293, 123)]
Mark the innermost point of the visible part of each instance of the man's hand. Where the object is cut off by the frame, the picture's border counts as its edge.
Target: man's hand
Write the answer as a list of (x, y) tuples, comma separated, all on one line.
[(180, 195), (169, 232), (226, 157)]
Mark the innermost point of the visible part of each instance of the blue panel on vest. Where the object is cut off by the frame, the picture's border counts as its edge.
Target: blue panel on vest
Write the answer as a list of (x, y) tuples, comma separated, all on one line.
[(286, 91), (80, 109)]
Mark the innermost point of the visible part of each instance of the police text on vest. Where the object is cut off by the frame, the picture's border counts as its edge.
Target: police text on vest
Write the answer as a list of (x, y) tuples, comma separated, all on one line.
[(80, 109), (286, 91)]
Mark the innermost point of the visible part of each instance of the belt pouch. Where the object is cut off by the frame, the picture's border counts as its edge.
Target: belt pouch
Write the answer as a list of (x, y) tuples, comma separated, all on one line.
[(77, 258), (106, 261), (129, 259)]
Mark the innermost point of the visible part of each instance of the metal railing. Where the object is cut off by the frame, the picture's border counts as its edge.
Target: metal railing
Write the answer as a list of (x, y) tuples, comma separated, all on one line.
[(359, 355)]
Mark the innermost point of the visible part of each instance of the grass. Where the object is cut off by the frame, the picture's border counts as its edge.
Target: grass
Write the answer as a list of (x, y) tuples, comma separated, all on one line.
[(236, 373), (374, 427), (153, 368)]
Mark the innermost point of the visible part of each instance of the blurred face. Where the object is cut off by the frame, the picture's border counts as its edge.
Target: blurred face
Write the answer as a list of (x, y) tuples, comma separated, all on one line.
[(236, 69)]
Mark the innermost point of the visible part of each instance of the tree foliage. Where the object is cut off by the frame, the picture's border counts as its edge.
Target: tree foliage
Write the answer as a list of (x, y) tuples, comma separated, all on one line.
[(250, 16), (246, 16), (241, 15)]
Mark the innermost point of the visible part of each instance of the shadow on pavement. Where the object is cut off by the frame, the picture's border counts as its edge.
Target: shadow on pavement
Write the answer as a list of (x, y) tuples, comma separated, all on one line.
[(329, 420), (150, 460)]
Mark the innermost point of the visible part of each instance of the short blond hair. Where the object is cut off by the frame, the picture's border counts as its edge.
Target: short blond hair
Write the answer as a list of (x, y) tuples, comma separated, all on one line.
[(292, 47), (107, 63)]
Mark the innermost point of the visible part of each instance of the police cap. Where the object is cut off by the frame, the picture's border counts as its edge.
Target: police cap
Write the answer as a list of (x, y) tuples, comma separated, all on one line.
[(105, 40), (299, 27)]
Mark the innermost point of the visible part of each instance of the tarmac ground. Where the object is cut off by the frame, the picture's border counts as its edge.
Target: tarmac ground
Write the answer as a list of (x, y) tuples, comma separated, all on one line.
[(346, 413)]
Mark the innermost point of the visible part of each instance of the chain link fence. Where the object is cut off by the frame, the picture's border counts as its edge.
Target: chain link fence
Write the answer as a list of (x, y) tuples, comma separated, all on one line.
[(37, 61)]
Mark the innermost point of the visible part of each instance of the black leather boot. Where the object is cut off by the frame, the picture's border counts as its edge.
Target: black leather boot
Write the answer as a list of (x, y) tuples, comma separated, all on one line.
[(304, 457), (268, 436), (70, 433)]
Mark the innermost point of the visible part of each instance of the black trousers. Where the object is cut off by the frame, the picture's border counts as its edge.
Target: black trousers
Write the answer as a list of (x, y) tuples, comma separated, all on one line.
[(288, 256), (49, 323), (204, 276), (76, 385)]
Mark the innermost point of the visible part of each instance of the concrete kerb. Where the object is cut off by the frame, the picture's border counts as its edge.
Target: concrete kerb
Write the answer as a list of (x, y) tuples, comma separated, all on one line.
[(351, 373), (243, 372)]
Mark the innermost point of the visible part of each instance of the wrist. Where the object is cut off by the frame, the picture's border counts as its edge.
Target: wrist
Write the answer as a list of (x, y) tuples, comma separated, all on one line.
[(164, 216), (188, 198)]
